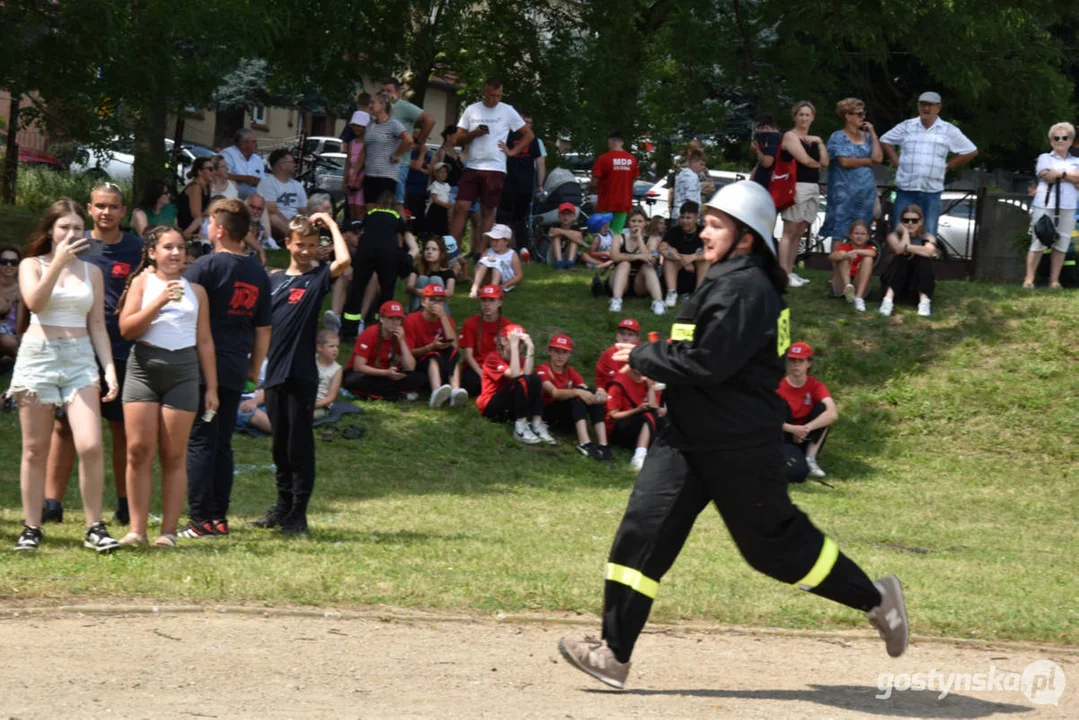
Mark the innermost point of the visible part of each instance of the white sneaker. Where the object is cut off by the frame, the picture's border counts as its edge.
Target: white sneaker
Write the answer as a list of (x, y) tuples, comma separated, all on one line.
[(859, 304), (672, 298), (814, 468), (541, 431), (330, 321), (412, 397), (659, 307), (458, 397), (615, 305), (794, 281), (925, 307), (848, 292), (886, 307), (523, 433), (638, 459), (440, 396)]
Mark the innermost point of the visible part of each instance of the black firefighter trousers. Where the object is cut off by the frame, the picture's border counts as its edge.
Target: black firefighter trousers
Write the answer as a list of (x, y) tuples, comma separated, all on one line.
[(749, 489)]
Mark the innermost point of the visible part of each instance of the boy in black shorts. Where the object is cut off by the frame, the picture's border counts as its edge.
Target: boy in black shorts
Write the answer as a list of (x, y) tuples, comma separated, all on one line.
[(239, 295), (291, 382)]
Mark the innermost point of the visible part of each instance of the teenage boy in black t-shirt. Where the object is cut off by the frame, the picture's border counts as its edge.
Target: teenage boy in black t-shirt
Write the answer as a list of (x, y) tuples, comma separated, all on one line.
[(684, 265), (291, 382), (116, 253), (239, 296)]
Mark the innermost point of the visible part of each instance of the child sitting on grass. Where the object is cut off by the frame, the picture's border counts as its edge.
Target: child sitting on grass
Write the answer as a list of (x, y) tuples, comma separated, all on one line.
[(598, 255), (499, 264), (566, 233), (511, 391), (568, 403), (382, 366), (634, 414)]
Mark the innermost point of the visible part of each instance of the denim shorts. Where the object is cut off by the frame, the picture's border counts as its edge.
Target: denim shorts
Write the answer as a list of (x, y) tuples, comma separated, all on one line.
[(52, 371)]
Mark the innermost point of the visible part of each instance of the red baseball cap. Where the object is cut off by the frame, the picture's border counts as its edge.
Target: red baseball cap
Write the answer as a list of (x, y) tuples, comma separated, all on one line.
[(510, 328), (491, 291), (434, 291), (562, 342), (567, 207), (391, 308), (630, 324), (800, 350)]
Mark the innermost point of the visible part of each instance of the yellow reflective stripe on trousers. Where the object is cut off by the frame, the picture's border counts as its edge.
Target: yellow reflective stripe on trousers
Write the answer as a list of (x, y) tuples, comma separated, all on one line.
[(633, 579), (352, 316), (829, 553)]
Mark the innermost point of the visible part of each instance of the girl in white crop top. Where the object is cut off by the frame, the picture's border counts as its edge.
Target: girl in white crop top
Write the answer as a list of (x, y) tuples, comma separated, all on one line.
[(56, 365), (169, 319)]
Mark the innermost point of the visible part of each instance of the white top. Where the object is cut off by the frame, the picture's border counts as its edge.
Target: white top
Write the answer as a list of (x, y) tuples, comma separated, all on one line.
[(605, 242), (289, 196), (229, 193), (1069, 195), (439, 190), (503, 262), (922, 162), (239, 165), (687, 187), (175, 325), (326, 374), (69, 304), (483, 151)]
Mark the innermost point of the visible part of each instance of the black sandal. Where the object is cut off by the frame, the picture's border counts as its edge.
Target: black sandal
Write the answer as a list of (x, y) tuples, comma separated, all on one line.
[(353, 432)]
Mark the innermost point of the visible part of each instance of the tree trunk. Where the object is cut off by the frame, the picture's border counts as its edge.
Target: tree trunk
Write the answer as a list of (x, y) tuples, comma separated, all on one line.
[(150, 129), (10, 174)]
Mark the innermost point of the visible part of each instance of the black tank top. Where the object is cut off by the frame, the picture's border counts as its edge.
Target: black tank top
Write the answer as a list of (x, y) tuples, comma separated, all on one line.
[(183, 207), (806, 174)]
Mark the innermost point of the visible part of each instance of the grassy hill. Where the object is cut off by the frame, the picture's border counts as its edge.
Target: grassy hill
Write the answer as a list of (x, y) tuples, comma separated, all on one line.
[(954, 465)]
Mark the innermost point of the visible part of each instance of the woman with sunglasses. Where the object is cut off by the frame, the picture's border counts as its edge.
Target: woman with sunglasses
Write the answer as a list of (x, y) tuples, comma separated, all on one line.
[(910, 273), (9, 304), (194, 199), (852, 191), (1061, 169)]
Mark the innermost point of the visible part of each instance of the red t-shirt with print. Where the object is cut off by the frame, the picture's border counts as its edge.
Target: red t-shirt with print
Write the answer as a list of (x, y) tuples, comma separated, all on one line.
[(607, 369), (368, 342), (562, 381), (857, 261), (616, 170), (481, 346), (802, 399), (493, 379), (624, 394), (420, 332)]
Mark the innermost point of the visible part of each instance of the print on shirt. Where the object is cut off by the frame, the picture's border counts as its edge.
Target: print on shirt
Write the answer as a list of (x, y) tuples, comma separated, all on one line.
[(244, 298), (295, 295), (120, 269)]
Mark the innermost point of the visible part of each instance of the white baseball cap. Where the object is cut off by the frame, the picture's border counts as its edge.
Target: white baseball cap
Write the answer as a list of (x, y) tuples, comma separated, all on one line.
[(499, 232), (360, 118)]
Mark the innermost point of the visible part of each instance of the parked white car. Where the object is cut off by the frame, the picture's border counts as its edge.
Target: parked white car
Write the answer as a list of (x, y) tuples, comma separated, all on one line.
[(116, 163)]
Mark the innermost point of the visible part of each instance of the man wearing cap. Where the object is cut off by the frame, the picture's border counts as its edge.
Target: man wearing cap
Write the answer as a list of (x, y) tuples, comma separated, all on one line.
[(613, 175), (484, 128), (246, 167), (566, 232), (628, 333), (926, 142), (810, 411), (722, 445)]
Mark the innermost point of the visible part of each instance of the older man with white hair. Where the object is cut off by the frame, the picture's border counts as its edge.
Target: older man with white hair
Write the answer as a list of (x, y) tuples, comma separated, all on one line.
[(925, 142), (246, 167)]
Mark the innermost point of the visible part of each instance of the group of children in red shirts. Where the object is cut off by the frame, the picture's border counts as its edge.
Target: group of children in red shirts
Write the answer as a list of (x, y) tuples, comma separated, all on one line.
[(494, 360)]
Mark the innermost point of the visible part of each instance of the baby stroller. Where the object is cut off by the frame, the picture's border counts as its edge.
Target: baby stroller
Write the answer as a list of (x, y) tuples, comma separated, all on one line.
[(560, 186)]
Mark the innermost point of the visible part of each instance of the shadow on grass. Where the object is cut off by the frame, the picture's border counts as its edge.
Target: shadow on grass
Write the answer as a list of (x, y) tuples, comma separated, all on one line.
[(857, 698)]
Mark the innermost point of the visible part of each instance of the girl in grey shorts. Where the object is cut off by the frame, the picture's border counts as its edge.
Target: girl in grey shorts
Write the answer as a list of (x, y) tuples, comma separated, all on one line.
[(169, 318), (55, 367)]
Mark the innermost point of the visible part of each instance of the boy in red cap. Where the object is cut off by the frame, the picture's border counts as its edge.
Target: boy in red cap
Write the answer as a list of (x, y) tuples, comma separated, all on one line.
[(569, 403), (567, 232), (810, 410), (382, 366), (432, 336), (629, 331), (634, 414), (511, 391), (478, 338)]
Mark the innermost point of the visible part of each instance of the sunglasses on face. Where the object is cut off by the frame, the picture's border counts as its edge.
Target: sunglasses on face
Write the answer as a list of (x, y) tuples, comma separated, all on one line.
[(911, 220), (859, 113), (1060, 138), (8, 262)]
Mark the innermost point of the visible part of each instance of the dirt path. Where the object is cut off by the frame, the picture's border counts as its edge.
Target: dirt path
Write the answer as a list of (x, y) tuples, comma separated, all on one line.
[(179, 663)]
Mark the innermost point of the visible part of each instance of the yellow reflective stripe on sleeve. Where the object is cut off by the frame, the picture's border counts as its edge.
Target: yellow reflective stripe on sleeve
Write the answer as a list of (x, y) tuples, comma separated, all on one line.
[(682, 331), (350, 316), (783, 331), (829, 553), (633, 579)]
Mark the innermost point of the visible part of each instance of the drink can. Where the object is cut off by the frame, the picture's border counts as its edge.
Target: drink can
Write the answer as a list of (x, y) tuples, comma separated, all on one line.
[(653, 336)]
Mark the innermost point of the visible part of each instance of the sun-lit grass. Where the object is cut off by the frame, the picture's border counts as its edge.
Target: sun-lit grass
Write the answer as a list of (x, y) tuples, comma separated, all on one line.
[(954, 465)]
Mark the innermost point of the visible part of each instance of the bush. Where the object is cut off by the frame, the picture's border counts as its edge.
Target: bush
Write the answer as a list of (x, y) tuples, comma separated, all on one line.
[(39, 188)]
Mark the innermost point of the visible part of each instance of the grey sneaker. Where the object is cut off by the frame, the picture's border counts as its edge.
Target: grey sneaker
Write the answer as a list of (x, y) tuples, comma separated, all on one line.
[(440, 396), (330, 321), (890, 617), (593, 657)]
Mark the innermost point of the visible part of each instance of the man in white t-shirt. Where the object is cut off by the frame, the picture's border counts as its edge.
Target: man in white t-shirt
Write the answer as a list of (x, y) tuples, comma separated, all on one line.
[(483, 130), (246, 168), (284, 194), (925, 142)]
